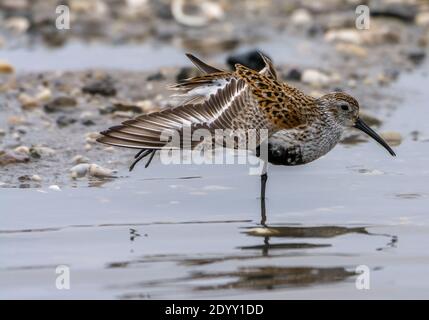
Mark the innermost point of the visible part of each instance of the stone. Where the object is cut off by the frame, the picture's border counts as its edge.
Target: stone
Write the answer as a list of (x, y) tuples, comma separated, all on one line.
[(251, 59), (95, 170), (9, 157), (402, 11), (159, 76), (22, 149), (301, 17), (422, 18), (40, 151), (79, 170), (61, 103), (351, 49), (17, 24), (80, 159), (6, 67), (393, 138), (416, 56), (293, 74), (315, 78), (103, 87), (64, 121)]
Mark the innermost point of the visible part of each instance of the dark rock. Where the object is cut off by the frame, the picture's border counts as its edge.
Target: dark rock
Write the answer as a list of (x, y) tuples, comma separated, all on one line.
[(316, 30), (125, 107), (106, 109), (10, 157), (64, 121), (293, 74), (24, 178), (62, 103), (391, 74), (104, 87), (416, 56), (156, 77), (88, 122), (401, 11), (251, 59)]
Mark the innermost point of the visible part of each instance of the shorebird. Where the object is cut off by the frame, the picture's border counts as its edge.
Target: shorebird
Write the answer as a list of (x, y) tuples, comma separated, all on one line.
[(300, 128)]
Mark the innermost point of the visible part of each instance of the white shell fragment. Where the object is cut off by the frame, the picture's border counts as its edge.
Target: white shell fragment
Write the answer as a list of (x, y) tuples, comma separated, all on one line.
[(92, 170), (97, 171)]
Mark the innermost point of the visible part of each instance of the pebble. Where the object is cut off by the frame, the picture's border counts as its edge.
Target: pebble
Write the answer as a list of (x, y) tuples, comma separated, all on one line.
[(422, 18), (10, 157), (126, 107), (36, 178), (401, 11), (64, 121), (159, 76), (97, 171), (315, 78), (393, 138), (54, 187), (6, 67), (345, 35), (39, 152), (27, 102), (352, 49), (79, 170), (93, 170), (78, 159), (22, 149), (91, 137), (62, 103), (17, 24), (416, 56), (251, 59), (147, 106), (301, 17), (123, 114), (15, 120), (44, 95), (370, 119), (204, 12), (103, 87), (378, 34), (293, 74)]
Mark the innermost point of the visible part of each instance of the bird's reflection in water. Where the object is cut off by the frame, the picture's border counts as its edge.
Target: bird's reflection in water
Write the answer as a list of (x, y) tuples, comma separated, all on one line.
[(276, 277), (253, 266), (270, 277), (268, 232)]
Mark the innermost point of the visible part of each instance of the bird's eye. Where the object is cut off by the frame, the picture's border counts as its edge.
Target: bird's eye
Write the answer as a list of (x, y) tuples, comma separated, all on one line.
[(345, 107)]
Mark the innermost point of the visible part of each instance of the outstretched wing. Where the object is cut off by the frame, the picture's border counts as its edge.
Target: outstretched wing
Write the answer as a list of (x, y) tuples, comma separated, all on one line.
[(232, 106)]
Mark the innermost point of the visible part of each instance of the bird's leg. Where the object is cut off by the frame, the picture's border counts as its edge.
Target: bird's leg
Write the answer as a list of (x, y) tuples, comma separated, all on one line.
[(264, 178), (140, 155)]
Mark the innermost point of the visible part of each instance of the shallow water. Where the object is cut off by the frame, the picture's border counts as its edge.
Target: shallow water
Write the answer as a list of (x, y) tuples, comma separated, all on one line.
[(183, 231)]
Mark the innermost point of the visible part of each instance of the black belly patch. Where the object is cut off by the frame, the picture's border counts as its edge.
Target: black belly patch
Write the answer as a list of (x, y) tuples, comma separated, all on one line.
[(279, 155)]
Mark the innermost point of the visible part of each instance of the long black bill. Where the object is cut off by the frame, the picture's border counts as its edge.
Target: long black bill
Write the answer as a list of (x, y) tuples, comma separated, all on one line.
[(365, 128)]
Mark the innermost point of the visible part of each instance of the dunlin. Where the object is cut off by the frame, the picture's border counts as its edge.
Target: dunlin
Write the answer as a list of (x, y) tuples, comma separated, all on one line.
[(300, 128)]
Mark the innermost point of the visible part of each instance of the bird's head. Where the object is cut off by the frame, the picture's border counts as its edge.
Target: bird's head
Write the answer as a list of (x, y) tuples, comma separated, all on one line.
[(343, 109)]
